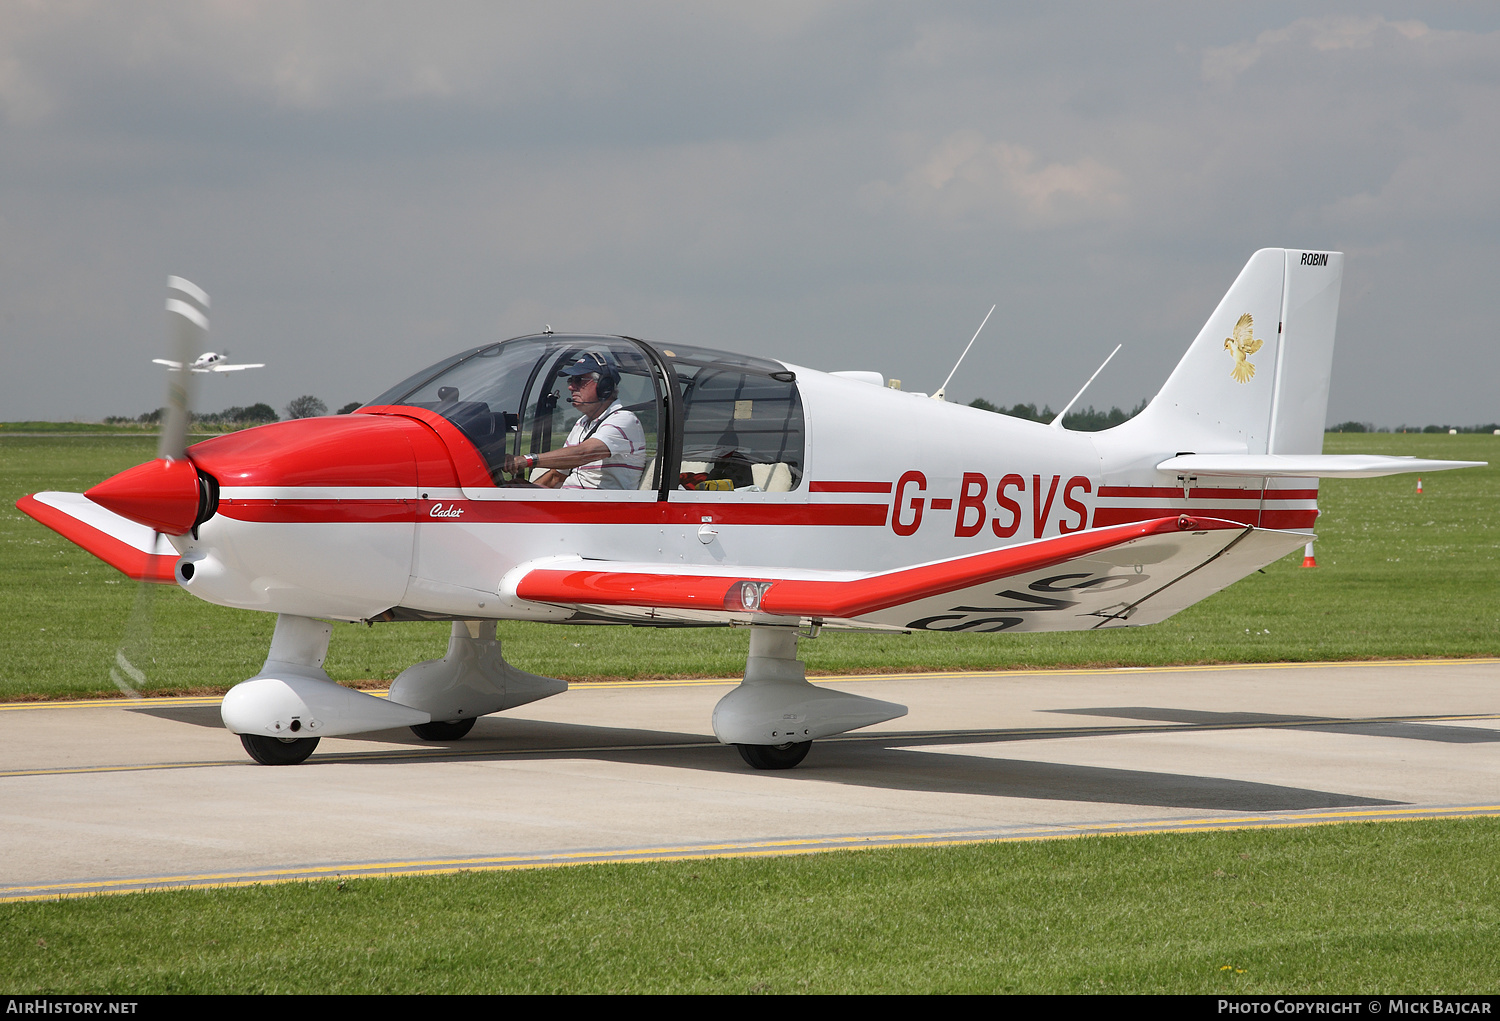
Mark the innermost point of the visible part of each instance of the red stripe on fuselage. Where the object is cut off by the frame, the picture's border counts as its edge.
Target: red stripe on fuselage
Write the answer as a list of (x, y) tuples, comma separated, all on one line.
[(849, 487), (1175, 492), (573, 512), (1268, 518), (351, 511)]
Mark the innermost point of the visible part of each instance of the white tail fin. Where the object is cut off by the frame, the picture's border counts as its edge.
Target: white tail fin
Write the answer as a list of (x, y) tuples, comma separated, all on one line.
[(1256, 379)]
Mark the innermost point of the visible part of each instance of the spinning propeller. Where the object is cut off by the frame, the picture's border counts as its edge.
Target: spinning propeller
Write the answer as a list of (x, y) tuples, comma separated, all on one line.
[(168, 494)]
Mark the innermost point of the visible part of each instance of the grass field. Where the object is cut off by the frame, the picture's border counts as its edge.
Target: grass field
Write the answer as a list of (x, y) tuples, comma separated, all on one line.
[(1399, 575), (1395, 907)]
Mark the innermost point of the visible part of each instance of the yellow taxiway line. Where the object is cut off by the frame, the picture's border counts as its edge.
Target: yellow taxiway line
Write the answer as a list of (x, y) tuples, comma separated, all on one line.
[(735, 849)]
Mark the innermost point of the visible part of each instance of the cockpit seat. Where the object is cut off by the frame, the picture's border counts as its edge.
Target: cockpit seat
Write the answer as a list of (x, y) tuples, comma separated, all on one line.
[(773, 478)]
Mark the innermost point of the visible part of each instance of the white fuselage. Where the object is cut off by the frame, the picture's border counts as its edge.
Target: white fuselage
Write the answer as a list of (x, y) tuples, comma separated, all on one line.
[(891, 479)]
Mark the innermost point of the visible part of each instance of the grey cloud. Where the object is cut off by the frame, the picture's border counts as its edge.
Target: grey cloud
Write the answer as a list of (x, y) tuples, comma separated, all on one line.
[(365, 187)]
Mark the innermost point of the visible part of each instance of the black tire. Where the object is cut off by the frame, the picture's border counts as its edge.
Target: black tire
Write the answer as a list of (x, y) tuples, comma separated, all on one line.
[(774, 756), (437, 730), (278, 751)]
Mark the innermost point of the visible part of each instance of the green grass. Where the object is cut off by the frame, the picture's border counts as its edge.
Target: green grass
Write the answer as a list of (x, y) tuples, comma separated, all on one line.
[(1396, 907), (137, 429), (1399, 575), (63, 428)]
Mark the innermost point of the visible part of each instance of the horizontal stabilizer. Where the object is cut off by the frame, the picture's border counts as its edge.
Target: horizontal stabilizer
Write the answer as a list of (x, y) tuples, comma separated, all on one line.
[(133, 549), (1306, 466)]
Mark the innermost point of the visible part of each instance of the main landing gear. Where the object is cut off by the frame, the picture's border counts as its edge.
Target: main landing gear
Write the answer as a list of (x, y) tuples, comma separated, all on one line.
[(470, 681), (447, 730), (774, 756), (774, 715), (771, 717), (278, 751)]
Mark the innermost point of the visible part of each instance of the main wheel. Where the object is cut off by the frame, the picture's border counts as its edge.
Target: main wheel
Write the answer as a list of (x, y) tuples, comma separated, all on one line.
[(439, 730), (774, 756), (278, 751)]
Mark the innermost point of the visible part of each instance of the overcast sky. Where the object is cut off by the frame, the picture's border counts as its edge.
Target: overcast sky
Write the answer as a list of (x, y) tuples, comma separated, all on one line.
[(364, 188)]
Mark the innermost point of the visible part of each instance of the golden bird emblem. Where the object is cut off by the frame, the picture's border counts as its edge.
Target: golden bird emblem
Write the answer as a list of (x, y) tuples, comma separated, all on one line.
[(1242, 345)]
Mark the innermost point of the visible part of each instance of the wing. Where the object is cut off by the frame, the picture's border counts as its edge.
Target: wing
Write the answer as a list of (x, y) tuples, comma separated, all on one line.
[(1137, 573), (236, 368), (169, 364), (122, 544)]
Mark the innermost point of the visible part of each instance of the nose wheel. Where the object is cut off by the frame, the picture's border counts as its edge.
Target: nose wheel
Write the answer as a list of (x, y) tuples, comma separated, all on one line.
[(278, 751), (774, 756)]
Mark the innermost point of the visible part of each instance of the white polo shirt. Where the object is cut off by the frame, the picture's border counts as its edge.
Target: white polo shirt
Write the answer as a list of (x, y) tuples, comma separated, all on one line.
[(622, 433)]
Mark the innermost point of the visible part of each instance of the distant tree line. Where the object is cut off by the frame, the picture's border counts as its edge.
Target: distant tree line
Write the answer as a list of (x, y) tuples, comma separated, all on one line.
[(1368, 427), (1087, 420), (256, 413), (306, 406)]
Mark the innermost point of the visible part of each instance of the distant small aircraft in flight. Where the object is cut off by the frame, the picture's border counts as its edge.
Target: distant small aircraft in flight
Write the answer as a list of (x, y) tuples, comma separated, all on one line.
[(209, 361)]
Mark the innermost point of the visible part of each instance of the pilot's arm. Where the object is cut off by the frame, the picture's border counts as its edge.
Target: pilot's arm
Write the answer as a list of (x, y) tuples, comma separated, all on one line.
[(559, 461)]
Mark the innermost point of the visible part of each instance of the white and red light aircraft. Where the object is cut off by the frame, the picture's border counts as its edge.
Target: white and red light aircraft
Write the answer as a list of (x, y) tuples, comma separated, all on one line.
[(209, 361), (195, 311), (773, 497)]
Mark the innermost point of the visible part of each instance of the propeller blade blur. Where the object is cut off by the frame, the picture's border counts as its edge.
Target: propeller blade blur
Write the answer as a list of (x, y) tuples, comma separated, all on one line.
[(187, 311)]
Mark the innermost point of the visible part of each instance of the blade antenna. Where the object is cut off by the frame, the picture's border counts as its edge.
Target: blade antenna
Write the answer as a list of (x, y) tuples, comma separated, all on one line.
[(189, 328), (942, 391), (1056, 423)]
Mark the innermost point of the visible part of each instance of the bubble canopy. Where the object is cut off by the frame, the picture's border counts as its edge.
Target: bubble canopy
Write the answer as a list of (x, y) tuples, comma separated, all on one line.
[(713, 420)]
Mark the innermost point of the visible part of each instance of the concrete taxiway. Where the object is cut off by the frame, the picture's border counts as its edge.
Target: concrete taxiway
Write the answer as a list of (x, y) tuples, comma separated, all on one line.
[(132, 794)]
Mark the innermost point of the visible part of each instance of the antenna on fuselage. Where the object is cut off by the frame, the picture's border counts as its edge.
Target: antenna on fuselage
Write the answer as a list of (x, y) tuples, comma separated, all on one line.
[(942, 391), (1056, 423)]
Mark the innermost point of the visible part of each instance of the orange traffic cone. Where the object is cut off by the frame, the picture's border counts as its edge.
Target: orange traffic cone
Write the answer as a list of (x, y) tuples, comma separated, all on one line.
[(1419, 487), (1307, 557)]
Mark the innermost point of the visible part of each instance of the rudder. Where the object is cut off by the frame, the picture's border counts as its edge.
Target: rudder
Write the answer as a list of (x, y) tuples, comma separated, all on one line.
[(1309, 314)]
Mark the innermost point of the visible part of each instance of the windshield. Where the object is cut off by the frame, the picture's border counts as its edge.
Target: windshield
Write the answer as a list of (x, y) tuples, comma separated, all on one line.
[(737, 421), (510, 398)]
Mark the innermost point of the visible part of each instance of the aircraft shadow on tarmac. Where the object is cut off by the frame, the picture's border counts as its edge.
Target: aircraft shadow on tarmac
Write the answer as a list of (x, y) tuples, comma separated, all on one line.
[(892, 761), (1443, 732), (198, 715)]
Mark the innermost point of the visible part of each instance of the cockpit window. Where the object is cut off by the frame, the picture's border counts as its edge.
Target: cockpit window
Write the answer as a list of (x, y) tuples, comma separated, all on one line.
[(738, 418), (512, 398), (630, 425), (742, 422), (481, 394)]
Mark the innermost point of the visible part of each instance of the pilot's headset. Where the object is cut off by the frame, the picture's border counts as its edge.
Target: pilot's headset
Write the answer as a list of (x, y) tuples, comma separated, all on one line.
[(601, 363)]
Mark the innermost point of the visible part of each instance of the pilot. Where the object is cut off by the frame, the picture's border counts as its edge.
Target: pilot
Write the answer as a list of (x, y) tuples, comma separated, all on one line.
[(607, 447)]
